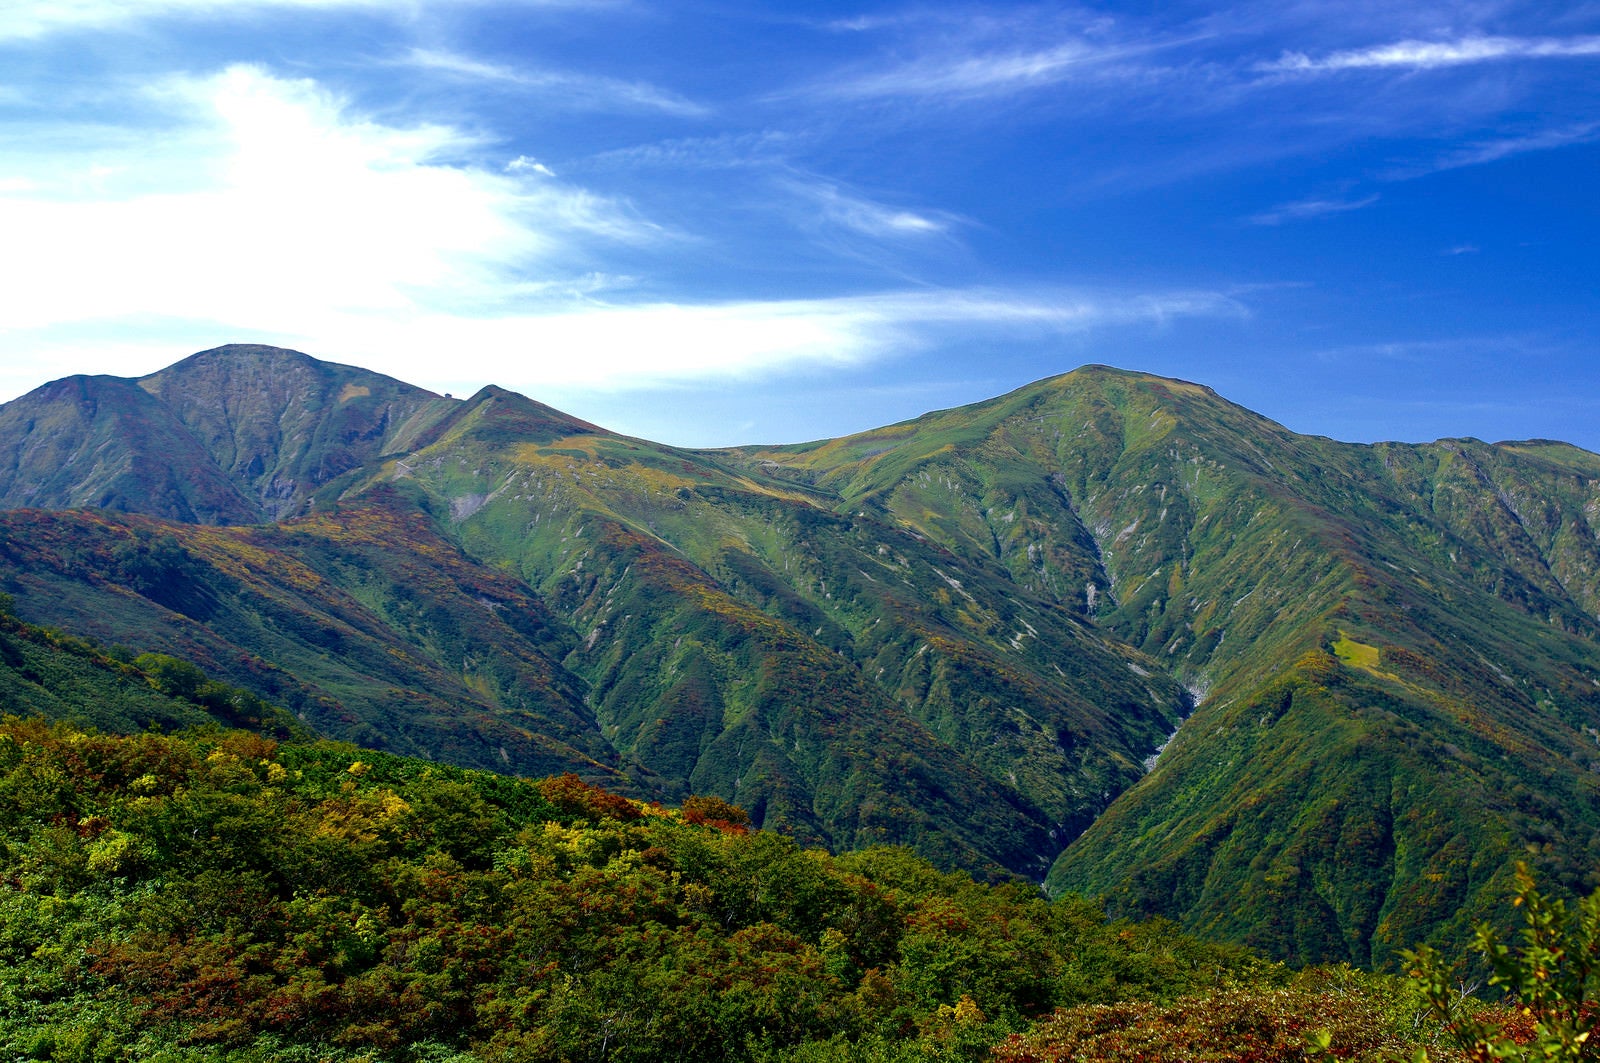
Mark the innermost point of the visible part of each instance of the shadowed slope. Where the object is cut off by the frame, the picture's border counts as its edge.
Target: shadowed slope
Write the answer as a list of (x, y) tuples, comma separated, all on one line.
[(103, 442), (236, 435)]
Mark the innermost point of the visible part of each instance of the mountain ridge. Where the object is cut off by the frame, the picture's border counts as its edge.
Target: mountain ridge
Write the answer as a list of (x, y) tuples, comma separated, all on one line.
[(969, 631)]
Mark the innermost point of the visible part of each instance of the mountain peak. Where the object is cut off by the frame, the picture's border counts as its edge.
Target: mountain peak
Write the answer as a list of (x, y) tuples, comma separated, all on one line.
[(240, 433), (508, 414), (248, 350)]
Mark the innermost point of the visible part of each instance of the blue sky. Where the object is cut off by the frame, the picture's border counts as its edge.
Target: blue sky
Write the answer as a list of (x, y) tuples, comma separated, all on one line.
[(714, 222)]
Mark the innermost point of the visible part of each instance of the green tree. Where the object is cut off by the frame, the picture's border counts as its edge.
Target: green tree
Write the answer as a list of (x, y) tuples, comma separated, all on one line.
[(177, 678), (1551, 977)]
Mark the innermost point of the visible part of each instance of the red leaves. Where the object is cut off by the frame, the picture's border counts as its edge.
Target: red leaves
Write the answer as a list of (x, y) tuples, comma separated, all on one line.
[(715, 812), (575, 798), (1237, 1026)]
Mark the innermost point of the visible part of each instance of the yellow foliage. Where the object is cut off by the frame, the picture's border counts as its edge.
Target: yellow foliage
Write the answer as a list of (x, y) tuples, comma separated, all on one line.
[(1360, 655), (363, 818), (1357, 654)]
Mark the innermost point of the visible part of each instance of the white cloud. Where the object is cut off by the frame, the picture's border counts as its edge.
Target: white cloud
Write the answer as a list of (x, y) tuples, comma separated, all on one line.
[(27, 19), (271, 204), (581, 91), (723, 152), (865, 216), (40, 17), (524, 163), (643, 346), (620, 348), (964, 53), (1504, 147), (1495, 349), (273, 212), (1429, 55), (1304, 209), (970, 75)]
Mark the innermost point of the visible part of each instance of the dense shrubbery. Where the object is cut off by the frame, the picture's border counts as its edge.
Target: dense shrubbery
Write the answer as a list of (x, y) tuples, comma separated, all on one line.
[(1244, 1025), (218, 896), (45, 671), (179, 897)]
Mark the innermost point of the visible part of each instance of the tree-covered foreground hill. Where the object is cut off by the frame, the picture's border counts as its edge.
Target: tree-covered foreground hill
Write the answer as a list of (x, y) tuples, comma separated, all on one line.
[(216, 895)]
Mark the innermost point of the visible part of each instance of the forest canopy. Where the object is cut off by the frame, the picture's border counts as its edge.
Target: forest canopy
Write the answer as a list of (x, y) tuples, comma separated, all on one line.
[(216, 894)]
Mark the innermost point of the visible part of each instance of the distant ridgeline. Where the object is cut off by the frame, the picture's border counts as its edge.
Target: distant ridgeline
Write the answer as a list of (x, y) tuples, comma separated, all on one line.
[(969, 633)]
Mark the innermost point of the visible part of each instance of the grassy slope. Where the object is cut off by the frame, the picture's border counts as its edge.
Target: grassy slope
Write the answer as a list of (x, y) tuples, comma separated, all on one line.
[(282, 424), (717, 606), (237, 435), (1319, 805), (48, 673)]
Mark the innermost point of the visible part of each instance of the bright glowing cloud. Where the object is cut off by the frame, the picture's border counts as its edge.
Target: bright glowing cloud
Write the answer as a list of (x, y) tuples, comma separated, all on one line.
[(275, 205), (619, 348), (632, 347)]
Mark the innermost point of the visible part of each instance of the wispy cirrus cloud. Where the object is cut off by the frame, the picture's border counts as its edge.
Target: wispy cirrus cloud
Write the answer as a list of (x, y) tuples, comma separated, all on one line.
[(868, 217), (1495, 348), (725, 151), (1485, 151), (971, 75), (1430, 55), (32, 20), (594, 348), (1306, 209), (25, 20), (581, 91), (957, 54)]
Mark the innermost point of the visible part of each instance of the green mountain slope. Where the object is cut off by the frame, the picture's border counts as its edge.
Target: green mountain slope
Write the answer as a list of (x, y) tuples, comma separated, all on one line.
[(707, 629), (47, 673), (740, 638), (1392, 645), (972, 631), (368, 626)]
